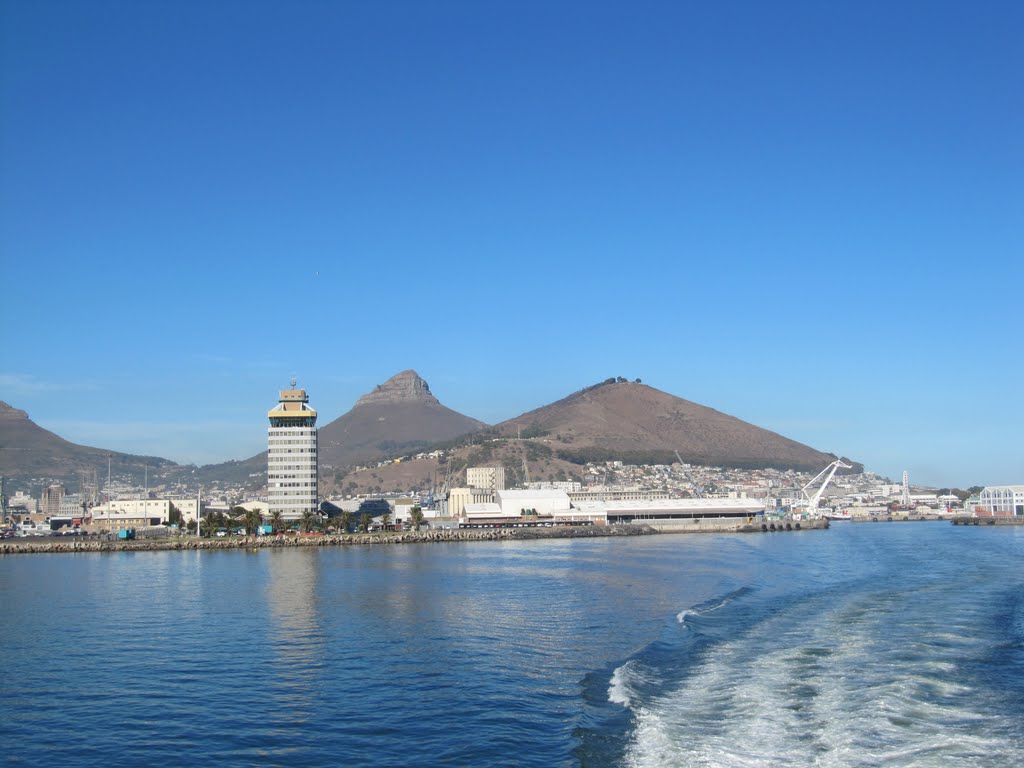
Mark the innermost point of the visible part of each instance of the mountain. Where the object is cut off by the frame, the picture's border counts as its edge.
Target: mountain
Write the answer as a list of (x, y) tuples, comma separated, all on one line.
[(399, 416), (635, 423), (27, 450)]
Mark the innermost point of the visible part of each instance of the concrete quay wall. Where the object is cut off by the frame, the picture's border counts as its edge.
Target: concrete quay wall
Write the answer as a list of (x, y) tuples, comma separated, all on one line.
[(971, 520), (49, 545), (734, 525), (30, 545)]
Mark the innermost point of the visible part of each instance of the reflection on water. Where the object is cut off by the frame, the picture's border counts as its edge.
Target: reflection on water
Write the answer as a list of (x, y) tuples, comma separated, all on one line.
[(537, 653), (296, 640)]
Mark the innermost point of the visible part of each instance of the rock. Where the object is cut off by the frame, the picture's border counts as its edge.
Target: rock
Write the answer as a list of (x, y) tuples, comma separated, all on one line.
[(406, 386)]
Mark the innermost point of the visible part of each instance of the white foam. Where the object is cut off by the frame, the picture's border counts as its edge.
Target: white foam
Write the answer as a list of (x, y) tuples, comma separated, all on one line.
[(770, 697), (618, 688)]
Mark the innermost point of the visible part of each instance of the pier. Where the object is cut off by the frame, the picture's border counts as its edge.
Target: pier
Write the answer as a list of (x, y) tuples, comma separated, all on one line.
[(971, 520)]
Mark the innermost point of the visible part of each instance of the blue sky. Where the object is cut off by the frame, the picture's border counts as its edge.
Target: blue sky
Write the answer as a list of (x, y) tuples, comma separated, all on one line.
[(808, 215)]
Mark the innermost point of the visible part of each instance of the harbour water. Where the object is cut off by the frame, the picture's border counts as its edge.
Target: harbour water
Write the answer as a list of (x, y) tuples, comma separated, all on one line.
[(867, 645)]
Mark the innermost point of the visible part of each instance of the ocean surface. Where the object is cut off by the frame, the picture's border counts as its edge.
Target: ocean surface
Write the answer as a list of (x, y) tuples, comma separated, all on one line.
[(864, 645)]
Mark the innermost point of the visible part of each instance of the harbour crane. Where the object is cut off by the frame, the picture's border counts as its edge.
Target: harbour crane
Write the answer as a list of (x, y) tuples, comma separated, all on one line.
[(697, 490), (829, 471)]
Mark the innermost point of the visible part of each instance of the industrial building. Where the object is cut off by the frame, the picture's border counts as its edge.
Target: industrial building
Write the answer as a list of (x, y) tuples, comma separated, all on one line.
[(551, 507), (292, 455), (490, 478), (459, 498)]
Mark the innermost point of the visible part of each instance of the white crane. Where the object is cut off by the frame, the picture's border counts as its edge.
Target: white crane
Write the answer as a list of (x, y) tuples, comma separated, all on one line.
[(812, 501), (697, 490)]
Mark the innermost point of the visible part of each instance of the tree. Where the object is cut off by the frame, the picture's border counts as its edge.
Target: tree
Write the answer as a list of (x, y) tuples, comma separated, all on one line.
[(276, 521), (345, 519), (416, 515), (385, 521), (364, 522), (174, 516), (252, 520), (209, 523), (307, 522)]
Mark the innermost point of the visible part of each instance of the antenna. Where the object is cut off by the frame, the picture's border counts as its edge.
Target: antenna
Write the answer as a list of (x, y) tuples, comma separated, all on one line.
[(294, 382)]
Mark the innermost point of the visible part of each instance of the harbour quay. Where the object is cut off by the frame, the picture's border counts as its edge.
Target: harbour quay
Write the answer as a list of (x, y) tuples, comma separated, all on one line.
[(972, 520), (40, 545)]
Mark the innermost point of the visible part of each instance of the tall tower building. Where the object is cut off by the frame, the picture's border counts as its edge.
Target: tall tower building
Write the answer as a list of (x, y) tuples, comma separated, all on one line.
[(52, 497), (491, 478), (291, 455)]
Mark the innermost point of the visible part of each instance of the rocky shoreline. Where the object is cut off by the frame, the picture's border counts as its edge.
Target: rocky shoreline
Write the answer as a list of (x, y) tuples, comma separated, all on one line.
[(41, 546)]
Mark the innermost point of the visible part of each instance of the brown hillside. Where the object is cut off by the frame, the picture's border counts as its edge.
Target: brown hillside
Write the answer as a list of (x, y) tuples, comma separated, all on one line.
[(632, 421), (421, 475), (399, 416), (27, 450)]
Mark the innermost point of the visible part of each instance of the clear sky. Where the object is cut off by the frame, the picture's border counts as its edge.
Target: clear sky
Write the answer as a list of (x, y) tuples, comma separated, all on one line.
[(809, 215)]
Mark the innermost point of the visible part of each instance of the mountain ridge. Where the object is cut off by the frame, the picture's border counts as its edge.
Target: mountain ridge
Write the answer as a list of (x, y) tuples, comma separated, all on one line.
[(622, 418), (27, 449)]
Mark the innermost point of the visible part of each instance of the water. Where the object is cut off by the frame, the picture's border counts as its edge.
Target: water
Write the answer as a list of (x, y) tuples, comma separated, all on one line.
[(865, 645)]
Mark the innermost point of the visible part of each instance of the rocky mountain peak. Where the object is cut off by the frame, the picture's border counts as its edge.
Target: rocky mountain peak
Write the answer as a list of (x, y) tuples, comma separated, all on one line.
[(10, 412), (404, 387)]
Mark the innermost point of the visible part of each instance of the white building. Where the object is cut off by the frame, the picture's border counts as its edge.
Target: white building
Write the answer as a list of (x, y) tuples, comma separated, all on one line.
[(292, 455), (539, 502), (1002, 500), (617, 495), (569, 486), (491, 478), (22, 500), (120, 514), (653, 511)]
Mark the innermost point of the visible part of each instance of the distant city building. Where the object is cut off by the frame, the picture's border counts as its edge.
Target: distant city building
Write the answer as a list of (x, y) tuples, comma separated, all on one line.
[(610, 495), (1002, 500), (52, 498), (292, 455), (491, 478), (569, 486), (71, 505), (21, 502)]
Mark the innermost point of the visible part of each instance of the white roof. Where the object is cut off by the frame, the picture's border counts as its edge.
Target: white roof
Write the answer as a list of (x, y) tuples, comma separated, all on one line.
[(543, 493), (483, 509)]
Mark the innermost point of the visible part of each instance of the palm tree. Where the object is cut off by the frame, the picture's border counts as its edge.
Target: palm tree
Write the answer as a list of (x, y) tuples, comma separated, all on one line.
[(385, 521), (364, 522), (346, 521), (308, 519), (276, 521), (209, 523), (416, 515), (234, 516), (252, 520)]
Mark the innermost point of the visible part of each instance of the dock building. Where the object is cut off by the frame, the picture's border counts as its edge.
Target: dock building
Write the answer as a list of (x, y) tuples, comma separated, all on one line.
[(1001, 500), (550, 507), (292, 466)]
